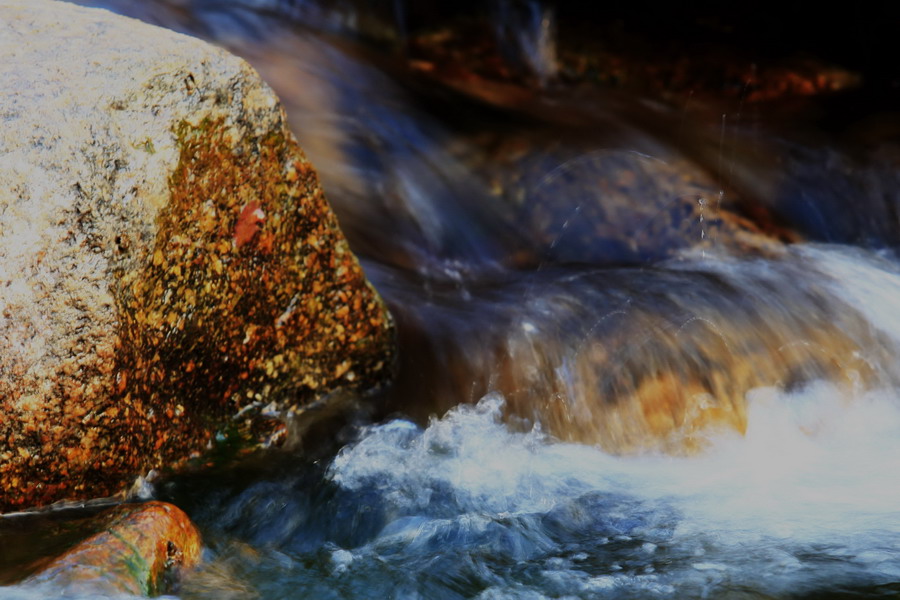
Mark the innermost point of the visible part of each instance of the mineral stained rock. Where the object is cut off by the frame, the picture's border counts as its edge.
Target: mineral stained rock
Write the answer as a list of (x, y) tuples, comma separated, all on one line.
[(167, 257), (140, 550)]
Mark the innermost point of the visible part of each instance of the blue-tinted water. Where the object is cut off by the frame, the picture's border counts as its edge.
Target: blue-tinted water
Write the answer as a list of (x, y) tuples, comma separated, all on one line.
[(802, 506)]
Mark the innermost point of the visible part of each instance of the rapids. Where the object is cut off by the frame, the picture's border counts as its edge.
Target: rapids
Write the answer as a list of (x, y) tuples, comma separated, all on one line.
[(648, 340)]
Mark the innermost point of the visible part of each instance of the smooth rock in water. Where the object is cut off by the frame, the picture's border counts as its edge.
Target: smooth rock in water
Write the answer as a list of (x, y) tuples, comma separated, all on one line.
[(656, 359), (614, 207), (141, 551), (167, 257)]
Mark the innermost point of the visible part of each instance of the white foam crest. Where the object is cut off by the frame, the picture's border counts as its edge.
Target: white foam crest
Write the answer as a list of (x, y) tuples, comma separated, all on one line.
[(816, 471), (863, 279), (487, 466), (814, 466)]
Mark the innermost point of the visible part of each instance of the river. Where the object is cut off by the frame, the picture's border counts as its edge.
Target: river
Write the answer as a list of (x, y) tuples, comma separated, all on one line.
[(648, 338)]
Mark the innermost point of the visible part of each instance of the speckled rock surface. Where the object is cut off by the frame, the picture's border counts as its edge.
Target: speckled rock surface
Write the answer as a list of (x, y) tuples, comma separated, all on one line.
[(139, 551), (167, 257)]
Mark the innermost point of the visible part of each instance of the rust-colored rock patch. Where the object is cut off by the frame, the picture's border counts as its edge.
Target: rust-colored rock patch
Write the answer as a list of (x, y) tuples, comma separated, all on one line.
[(249, 298)]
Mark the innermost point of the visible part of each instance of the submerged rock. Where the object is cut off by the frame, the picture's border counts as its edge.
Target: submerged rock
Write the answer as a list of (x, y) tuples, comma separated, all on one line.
[(141, 551), (606, 207), (636, 360), (167, 257)]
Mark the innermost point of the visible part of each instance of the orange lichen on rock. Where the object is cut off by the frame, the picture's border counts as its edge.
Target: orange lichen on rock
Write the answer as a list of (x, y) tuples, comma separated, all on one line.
[(237, 311), (249, 223)]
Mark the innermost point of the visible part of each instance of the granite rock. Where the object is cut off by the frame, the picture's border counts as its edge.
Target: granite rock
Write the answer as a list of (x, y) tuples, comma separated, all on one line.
[(167, 257)]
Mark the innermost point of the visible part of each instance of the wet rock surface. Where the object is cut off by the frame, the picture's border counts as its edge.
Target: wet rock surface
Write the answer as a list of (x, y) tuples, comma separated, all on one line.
[(140, 550), (638, 361), (167, 258), (606, 207)]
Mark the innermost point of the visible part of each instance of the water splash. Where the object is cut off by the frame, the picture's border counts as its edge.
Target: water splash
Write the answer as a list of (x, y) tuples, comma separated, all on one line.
[(468, 508), (806, 485)]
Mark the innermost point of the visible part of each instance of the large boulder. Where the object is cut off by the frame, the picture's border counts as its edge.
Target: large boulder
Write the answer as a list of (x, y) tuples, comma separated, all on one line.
[(167, 257)]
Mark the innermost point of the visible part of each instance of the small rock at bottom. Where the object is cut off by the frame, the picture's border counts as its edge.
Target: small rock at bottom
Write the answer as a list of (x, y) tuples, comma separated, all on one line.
[(141, 551)]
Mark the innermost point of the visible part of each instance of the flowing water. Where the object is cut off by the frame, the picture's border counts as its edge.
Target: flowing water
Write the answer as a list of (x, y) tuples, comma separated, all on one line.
[(648, 349)]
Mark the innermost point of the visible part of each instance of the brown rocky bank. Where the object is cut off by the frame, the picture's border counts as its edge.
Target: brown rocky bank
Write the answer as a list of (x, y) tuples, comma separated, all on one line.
[(168, 260)]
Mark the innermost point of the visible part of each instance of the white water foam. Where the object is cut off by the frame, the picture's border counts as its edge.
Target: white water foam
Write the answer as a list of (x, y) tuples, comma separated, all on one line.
[(806, 502), (867, 281), (809, 498)]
